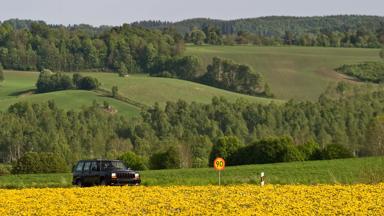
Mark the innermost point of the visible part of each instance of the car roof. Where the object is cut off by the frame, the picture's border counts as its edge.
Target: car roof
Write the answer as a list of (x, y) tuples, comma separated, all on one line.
[(101, 160)]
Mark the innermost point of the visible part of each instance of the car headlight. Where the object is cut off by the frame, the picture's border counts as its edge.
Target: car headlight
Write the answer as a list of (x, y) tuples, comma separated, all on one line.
[(113, 175), (137, 175)]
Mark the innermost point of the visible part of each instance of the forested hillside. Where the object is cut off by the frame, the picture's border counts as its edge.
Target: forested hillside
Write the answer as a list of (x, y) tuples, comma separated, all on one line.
[(335, 31), (348, 116), (276, 25), (36, 46)]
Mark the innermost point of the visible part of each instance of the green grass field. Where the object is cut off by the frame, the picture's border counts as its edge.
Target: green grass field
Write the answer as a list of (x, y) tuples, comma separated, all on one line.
[(148, 90), (292, 72), (140, 89), (18, 84), (345, 171)]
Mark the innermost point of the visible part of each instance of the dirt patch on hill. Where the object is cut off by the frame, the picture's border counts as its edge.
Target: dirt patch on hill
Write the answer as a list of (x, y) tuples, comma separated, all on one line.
[(23, 93), (332, 74)]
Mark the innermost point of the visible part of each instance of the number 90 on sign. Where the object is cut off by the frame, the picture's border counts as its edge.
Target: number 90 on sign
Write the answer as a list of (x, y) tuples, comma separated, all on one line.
[(219, 164)]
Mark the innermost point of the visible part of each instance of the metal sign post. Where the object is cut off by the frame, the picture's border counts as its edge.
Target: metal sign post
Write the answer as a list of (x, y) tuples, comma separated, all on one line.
[(219, 177)]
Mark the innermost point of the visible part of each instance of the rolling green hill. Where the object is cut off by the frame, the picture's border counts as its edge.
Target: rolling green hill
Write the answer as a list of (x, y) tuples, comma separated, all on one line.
[(292, 72), (138, 89), (148, 90), (18, 86)]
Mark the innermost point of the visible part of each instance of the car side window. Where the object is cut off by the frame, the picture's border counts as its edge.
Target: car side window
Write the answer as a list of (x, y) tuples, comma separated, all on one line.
[(94, 166), (79, 167), (86, 166), (104, 165)]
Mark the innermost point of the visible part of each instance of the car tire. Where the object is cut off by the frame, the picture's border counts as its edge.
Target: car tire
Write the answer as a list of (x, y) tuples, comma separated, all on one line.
[(103, 182), (79, 183)]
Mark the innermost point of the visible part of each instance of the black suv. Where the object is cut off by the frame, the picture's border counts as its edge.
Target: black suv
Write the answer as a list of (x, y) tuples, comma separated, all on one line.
[(103, 172)]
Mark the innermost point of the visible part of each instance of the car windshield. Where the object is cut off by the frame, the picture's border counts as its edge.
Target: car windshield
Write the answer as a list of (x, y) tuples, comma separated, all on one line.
[(115, 165)]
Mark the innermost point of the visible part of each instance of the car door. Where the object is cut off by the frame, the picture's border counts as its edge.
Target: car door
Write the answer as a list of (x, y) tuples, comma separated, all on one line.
[(86, 173), (78, 171), (94, 173)]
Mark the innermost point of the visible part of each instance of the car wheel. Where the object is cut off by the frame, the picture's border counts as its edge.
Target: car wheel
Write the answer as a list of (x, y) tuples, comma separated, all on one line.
[(103, 182), (78, 183)]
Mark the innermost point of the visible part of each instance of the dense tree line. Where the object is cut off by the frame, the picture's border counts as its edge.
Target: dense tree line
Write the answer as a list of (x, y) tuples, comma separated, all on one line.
[(29, 45), (368, 71), (360, 38), (185, 135), (221, 73), (226, 74), (275, 25), (186, 67), (272, 150), (333, 31)]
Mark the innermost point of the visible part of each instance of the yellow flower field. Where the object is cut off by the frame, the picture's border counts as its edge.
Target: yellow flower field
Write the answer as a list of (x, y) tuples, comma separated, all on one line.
[(197, 200)]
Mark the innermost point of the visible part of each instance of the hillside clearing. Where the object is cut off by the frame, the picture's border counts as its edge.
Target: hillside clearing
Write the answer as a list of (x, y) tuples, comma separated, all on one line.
[(292, 72)]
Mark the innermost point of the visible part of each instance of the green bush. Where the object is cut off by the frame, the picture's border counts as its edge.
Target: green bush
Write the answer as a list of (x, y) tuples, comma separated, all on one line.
[(310, 151), (225, 148), (43, 162), (1, 72), (88, 83), (369, 71), (336, 151), (5, 169), (166, 160), (48, 82), (133, 161), (271, 150)]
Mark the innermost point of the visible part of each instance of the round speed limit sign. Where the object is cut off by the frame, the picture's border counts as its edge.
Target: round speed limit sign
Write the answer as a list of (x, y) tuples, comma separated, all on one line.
[(219, 164)]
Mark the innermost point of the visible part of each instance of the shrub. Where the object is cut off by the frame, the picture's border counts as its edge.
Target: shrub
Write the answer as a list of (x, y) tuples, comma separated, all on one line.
[(133, 161), (310, 151), (76, 77), (43, 162), (382, 54), (271, 150), (5, 169), (336, 151), (225, 147), (115, 91), (122, 70), (88, 83), (48, 82), (1, 72), (368, 71), (166, 160)]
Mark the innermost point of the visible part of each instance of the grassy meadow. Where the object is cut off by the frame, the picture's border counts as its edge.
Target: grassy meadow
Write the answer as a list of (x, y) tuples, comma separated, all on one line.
[(18, 87), (148, 90), (292, 72), (138, 88), (343, 171)]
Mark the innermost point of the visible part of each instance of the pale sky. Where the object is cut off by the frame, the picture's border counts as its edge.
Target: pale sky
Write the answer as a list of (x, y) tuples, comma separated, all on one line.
[(116, 12)]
